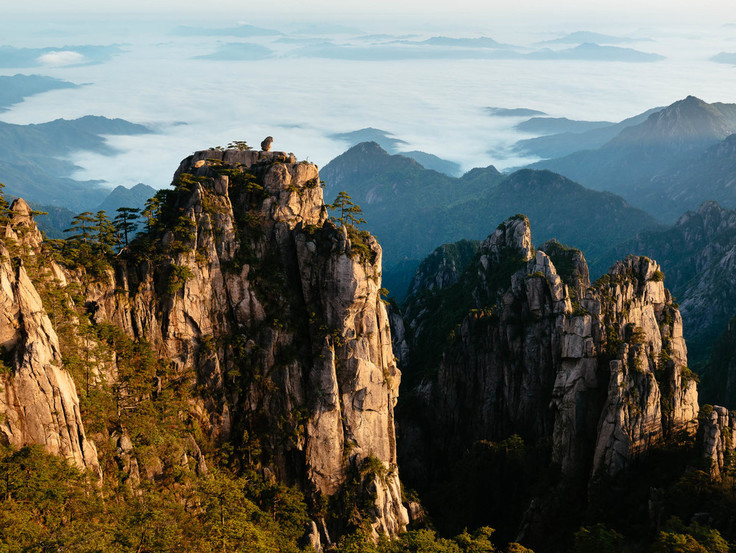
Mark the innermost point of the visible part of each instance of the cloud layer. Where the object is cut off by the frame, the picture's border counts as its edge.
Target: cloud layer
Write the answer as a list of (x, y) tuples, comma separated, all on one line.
[(206, 89), (61, 57)]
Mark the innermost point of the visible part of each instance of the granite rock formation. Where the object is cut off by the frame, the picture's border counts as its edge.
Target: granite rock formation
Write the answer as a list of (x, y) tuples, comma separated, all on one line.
[(698, 255), (599, 372), (251, 292), (717, 440), (38, 401), (278, 312)]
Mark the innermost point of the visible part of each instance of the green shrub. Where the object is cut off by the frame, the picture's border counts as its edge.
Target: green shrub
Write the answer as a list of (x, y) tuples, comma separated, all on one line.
[(597, 539), (178, 275)]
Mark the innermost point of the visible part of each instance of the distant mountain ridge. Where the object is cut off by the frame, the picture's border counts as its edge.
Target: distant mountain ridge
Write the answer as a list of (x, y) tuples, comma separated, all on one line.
[(121, 196), (419, 50), (593, 51), (399, 197), (392, 145), (452, 42), (13, 89), (513, 112), (550, 125), (629, 162), (565, 143), (698, 255), (32, 160), (685, 125)]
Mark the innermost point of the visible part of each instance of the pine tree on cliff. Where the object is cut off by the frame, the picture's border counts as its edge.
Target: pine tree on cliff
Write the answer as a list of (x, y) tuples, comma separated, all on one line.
[(4, 207), (125, 221), (105, 232), (83, 226), (152, 210), (349, 212)]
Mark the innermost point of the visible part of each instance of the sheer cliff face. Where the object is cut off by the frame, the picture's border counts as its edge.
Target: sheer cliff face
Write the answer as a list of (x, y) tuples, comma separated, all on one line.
[(278, 313), (247, 289), (699, 257), (599, 371), (633, 335), (718, 440), (38, 398)]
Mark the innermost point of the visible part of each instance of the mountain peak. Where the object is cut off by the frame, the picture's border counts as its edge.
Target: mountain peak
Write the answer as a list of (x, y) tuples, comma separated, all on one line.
[(538, 180), (690, 99), (513, 234), (709, 207), (687, 124), (370, 147), (21, 208), (120, 196), (481, 172), (22, 227), (710, 218), (725, 148), (367, 156)]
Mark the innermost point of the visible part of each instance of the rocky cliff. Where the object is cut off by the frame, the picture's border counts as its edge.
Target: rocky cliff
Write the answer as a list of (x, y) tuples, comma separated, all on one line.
[(636, 336), (717, 440), (698, 255), (38, 398), (597, 372), (242, 286)]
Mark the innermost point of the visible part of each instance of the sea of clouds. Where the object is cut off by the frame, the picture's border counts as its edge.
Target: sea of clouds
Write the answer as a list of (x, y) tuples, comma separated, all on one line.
[(198, 90)]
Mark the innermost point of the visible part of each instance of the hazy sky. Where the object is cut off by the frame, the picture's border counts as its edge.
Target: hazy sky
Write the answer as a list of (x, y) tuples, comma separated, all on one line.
[(377, 12), (436, 105)]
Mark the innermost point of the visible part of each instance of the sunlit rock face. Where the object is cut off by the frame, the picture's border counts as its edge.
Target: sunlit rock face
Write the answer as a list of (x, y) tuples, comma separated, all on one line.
[(278, 312), (38, 398), (249, 292)]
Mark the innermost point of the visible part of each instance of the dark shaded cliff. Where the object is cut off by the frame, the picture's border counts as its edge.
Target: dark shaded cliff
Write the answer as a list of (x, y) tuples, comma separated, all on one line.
[(592, 378)]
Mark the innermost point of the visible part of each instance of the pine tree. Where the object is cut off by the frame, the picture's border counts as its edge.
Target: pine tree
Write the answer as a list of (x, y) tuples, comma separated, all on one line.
[(349, 212), (83, 225), (152, 210), (241, 145), (4, 207), (125, 222), (3, 201), (105, 232)]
